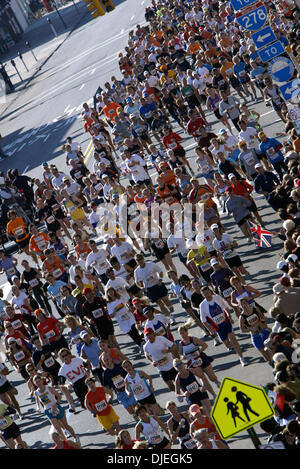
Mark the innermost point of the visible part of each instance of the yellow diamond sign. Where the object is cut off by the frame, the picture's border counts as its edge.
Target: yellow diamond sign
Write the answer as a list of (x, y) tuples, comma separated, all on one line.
[(239, 406)]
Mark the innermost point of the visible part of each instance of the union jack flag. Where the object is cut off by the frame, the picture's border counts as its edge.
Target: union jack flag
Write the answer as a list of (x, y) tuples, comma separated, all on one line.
[(261, 236)]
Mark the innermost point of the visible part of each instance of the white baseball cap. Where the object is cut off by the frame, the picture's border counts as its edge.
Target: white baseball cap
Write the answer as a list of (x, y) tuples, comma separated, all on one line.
[(292, 257), (281, 264), (258, 165), (231, 175), (214, 261), (214, 226)]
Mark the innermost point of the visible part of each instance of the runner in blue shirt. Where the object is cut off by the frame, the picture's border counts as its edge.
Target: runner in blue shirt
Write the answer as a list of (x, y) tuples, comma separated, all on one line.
[(270, 147), (240, 71), (147, 110)]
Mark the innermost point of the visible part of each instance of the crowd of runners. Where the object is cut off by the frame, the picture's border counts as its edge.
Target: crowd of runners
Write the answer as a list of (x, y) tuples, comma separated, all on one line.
[(100, 243)]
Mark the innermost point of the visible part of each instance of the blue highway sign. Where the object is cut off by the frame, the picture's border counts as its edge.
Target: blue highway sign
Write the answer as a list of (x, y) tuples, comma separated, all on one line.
[(263, 37), (271, 51), (291, 89), (281, 69), (253, 17), (239, 4)]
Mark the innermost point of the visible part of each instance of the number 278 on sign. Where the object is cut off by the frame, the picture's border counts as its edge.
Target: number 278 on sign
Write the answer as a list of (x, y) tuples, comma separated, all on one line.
[(253, 20)]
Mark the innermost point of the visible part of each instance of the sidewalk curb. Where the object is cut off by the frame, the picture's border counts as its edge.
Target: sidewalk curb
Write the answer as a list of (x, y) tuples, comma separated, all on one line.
[(45, 61)]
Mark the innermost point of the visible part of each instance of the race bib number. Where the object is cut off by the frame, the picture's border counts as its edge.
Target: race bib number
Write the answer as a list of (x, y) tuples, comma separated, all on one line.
[(19, 356), (138, 389), (219, 319), (189, 444), (34, 282), (19, 232), (3, 423), (49, 334), (205, 267), (11, 271), (227, 253), (57, 273), (227, 292), (155, 439), (49, 362), (173, 145), (16, 324), (197, 362), (97, 313), (252, 319), (50, 219), (192, 388), (100, 406), (118, 382)]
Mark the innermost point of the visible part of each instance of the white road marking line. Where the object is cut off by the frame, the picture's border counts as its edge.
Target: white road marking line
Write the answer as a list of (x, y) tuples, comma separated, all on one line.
[(93, 71), (132, 17), (68, 81), (67, 108), (25, 169), (122, 31), (82, 86)]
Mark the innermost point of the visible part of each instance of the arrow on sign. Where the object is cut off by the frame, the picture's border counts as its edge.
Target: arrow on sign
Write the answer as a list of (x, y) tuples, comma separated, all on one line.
[(290, 90), (263, 37)]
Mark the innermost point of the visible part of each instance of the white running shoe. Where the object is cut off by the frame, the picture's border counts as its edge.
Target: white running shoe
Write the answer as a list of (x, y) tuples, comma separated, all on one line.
[(243, 362)]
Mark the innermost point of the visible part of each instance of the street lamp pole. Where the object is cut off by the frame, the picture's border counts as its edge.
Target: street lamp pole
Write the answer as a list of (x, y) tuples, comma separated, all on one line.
[(61, 18), (27, 43)]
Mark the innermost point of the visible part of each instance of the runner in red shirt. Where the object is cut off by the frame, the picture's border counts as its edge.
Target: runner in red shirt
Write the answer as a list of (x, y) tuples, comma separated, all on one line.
[(195, 123), (244, 189), (50, 331), (171, 141)]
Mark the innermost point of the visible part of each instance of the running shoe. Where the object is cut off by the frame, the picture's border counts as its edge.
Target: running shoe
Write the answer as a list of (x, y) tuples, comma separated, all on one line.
[(217, 342), (243, 362), (180, 398)]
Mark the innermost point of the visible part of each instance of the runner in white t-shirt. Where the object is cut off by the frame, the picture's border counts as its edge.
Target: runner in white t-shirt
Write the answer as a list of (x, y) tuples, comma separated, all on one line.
[(214, 312), (160, 352)]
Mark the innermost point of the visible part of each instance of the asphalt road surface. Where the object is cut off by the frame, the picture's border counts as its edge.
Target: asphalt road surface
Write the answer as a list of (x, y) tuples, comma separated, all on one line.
[(37, 124)]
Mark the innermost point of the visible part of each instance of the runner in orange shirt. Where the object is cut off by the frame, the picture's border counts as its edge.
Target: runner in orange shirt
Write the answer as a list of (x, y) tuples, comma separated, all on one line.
[(16, 228), (97, 403), (110, 110), (54, 265), (39, 241)]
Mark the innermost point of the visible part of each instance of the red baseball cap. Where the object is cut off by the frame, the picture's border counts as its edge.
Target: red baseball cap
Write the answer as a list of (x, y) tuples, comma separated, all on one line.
[(86, 290), (135, 301), (148, 330)]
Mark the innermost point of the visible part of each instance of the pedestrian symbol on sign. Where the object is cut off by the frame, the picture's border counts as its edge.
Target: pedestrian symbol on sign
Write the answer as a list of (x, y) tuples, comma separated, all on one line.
[(239, 406), (243, 399)]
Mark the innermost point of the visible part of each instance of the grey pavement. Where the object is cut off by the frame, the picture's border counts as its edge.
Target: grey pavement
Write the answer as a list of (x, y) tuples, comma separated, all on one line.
[(35, 126), (44, 41)]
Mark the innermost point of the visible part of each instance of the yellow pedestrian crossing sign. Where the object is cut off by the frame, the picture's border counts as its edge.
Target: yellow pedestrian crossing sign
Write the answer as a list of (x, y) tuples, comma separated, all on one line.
[(239, 406)]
